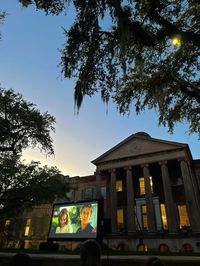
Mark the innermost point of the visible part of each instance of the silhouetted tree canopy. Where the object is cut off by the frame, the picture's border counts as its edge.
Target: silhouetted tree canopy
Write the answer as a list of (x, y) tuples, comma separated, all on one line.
[(2, 17), (22, 125), (24, 185), (124, 50)]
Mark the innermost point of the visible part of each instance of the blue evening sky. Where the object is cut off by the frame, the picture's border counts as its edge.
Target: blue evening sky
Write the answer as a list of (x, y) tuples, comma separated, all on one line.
[(29, 58)]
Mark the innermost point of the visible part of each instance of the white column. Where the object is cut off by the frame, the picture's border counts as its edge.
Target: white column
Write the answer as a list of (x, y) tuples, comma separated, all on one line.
[(192, 206), (149, 199), (171, 210), (130, 201), (113, 201), (98, 184)]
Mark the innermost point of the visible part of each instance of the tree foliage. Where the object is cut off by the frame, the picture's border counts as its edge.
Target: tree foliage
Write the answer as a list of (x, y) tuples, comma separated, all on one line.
[(2, 17), (22, 125), (24, 185), (123, 50)]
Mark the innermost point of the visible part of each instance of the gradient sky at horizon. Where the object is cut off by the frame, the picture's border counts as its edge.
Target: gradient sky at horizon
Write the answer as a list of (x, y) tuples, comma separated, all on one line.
[(29, 59)]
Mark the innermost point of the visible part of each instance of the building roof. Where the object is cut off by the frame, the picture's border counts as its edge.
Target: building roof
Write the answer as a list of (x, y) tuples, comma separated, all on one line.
[(139, 144)]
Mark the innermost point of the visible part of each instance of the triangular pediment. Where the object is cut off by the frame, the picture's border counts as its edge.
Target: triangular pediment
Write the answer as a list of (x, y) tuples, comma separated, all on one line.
[(137, 145)]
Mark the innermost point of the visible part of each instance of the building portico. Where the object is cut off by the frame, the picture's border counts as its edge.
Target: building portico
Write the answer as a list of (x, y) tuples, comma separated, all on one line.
[(152, 187)]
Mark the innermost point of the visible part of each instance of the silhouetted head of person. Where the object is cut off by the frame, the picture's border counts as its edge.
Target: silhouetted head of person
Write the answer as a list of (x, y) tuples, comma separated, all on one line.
[(20, 259), (90, 253), (153, 261)]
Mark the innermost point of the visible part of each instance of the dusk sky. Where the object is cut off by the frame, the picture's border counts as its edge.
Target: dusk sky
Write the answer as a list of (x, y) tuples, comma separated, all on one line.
[(29, 59)]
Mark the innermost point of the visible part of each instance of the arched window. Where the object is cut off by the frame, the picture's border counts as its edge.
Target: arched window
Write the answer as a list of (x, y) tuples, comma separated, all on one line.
[(187, 247), (142, 247), (122, 246), (163, 248)]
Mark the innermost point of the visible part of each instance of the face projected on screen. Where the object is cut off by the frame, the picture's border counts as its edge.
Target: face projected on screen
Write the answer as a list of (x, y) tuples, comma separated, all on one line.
[(86, 213), (63, 220), (86, 229), (63, 225)]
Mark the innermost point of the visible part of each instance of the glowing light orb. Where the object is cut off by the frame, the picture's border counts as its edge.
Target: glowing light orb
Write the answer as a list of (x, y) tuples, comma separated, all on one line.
[(176, 41)]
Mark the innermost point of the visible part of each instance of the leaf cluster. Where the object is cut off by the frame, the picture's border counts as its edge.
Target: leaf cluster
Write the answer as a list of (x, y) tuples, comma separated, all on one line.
[(22, 125), (24, 186), (123, 50), (54, 7), (2, 17)]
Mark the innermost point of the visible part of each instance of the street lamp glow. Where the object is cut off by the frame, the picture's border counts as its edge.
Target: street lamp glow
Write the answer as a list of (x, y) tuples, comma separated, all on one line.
[(176, 41)]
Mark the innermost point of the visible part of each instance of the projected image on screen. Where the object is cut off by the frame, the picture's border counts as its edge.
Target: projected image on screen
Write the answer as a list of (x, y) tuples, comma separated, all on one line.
[(74, 220)]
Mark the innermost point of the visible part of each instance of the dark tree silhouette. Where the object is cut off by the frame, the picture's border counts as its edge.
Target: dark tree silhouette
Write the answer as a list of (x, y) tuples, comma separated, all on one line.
[(124, 50), (22, 125), (24, 185)]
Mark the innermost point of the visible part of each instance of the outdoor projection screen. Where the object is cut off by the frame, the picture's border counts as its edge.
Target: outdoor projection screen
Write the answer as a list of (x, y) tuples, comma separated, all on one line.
[(75, 221)]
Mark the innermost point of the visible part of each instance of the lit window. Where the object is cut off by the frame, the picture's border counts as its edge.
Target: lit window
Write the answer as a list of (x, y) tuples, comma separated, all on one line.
[(183, 216), (142, 185), (163, 248), (142, 247), (27, 227), (7, 223), (163, 216), (144, 216), (119, 185), (120, 218), (151, 183)]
